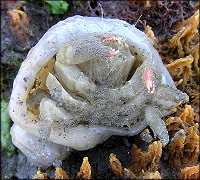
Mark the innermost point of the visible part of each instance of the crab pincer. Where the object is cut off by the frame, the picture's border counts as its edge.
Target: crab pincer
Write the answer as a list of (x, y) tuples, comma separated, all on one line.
[(111, 38), (149, 83), (111, 50)]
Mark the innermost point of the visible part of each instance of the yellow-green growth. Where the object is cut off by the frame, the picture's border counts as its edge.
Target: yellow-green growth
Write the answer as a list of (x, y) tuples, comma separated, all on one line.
[(6, 143)]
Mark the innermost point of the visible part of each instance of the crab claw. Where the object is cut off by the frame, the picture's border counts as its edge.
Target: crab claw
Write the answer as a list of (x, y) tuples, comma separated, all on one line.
[(111, 38), (149, 83), (112, 52)]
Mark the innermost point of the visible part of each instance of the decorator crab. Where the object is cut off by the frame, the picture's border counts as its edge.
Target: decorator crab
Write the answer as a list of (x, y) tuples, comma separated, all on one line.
[(87, 80)]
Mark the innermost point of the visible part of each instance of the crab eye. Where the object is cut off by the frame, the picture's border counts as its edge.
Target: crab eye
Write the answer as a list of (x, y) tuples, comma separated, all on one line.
[(149, 83)]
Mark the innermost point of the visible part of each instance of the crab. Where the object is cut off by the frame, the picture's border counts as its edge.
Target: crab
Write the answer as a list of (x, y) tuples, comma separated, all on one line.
[(87, 80), (90, 87)]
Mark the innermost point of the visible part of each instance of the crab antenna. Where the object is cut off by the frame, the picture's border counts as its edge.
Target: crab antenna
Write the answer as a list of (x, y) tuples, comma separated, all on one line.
[(137, 20), (101, 14)]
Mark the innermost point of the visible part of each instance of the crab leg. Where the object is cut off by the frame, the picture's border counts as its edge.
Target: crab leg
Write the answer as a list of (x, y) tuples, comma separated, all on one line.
[(50, 113), (62, 97), (153, 119), (73, 79)]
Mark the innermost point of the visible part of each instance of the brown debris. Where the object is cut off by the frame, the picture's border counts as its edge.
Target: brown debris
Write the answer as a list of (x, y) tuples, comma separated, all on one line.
[(185, 38), (180, 69), (144, 166), (187, 115), (195, 53), (153, 175), (184, 120), (119, 170), (174, 123), (19, 24), (41, 175), (184, 146), (147, 161), (15, 15), (150, 33), (187, 41), (187, 31), (60, 174), (162, 14), (191, 145), (116, 165), (176, 149), (85, 170), (190, 172), (84, 173), (181, 57)]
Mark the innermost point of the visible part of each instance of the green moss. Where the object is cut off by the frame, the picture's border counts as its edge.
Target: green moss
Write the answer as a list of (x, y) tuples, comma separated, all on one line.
[(57, 7), (6, 142)]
